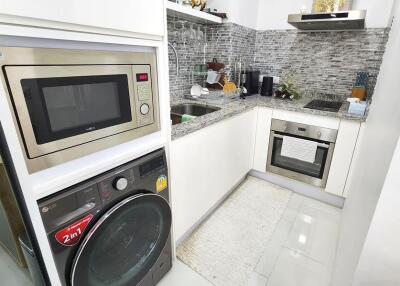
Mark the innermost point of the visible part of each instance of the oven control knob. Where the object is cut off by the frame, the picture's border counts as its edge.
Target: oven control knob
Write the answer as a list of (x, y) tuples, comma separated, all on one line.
[(120, 183), (144, 109), (319, 134)]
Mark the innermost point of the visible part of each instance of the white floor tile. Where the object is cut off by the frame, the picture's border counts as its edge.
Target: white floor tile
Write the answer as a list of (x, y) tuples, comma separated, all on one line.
[(11, 274), (322, 207), (293, 207), (314, 234), (294, 269), (274, 248), (183, 275), (257, 280)]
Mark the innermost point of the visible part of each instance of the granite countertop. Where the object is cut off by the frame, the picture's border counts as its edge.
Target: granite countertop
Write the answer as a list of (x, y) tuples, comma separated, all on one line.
[(231, 107)]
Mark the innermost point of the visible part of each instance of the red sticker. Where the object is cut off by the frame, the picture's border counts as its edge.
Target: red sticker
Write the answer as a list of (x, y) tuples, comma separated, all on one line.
[(70, 235)]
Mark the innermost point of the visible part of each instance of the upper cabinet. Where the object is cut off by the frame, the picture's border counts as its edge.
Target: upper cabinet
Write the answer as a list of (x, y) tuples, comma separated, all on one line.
[(122, 16)]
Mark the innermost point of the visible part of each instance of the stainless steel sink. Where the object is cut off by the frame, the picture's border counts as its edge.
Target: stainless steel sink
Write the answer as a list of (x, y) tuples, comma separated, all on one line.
[(190, 109)]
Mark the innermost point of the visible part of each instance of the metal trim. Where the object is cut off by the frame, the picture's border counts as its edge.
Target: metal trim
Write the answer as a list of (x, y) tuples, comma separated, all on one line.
[(101, 221), (355, 20)]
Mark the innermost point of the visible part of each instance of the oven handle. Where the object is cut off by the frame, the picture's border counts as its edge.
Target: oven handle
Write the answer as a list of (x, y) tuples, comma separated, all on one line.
[(322, 145)]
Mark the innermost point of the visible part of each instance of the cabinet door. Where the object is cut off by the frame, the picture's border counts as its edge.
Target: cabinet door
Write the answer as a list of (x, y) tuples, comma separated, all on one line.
[(342, 156), (262, 139), (206, 165), (144, 17)]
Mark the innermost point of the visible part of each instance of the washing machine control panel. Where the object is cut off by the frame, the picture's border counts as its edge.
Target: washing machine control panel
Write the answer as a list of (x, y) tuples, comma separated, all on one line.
[(120, 183), (66, 209)]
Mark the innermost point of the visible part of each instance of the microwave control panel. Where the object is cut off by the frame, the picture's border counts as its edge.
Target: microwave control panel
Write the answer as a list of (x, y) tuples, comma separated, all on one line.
[(144, 95)]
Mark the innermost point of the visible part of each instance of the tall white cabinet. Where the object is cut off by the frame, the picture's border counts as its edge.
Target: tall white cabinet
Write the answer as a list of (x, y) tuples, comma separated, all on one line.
[(130, 16)]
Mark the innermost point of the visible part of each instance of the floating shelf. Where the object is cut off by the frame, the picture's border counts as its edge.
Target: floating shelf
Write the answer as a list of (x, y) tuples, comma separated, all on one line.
[(188, 13)]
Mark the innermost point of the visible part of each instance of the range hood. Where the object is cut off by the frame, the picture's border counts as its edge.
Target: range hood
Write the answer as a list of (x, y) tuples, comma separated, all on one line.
[(340, 20)]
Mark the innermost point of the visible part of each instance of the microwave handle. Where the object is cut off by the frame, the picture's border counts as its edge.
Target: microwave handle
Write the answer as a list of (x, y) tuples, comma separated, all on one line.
[(322, 145)]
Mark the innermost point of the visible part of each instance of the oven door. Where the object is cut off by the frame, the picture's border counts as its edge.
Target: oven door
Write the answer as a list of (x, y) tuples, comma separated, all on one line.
[(59, 107), (315, 173)]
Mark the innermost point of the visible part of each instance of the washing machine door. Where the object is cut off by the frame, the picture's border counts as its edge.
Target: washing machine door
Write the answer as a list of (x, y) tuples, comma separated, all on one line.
[(124, 243)]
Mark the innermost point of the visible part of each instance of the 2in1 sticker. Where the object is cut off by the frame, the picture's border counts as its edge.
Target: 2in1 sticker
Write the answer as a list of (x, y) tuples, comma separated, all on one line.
[(70, 235)]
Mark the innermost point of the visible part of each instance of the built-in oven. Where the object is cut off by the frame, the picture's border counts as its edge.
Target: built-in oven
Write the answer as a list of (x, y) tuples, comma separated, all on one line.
[(70, 103), (301, 152)]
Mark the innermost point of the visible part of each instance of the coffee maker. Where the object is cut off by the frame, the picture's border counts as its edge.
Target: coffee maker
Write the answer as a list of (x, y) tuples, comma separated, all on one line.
[(251, 81)]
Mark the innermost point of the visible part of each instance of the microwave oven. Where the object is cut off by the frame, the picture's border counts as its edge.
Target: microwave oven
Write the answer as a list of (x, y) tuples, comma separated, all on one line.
[(71, 103)]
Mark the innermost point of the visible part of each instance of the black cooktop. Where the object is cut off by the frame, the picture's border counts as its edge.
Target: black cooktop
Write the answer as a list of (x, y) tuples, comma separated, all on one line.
[(325, 105)]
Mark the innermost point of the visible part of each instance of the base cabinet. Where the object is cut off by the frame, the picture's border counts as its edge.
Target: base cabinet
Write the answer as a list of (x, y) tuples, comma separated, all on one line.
[(264, 117), (206, 165), (342, 157)]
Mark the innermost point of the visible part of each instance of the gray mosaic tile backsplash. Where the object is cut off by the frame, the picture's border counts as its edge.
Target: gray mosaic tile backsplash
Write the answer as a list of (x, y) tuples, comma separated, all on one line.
[(321, 62)]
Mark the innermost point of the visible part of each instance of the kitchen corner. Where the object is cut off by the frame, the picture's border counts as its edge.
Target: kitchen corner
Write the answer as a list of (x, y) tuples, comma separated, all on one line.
[(231, 107)]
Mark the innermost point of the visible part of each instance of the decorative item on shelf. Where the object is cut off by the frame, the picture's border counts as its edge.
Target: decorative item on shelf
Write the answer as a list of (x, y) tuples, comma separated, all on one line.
[(201, 3), (186, 3), (216, 13), (360, 87), (331, 5), (287, 88)]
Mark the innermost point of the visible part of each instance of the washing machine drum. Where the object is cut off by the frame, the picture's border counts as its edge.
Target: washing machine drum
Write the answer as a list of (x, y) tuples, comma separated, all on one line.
[(124, 243)]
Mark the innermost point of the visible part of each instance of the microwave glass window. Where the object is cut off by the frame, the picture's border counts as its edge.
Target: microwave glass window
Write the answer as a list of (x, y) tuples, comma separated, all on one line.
[(81, 105), (62, 107)]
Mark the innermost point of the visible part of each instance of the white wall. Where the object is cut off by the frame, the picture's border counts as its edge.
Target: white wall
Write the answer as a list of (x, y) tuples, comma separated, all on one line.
[(272, 14), (380, 259), (376, 149), (242, 12)]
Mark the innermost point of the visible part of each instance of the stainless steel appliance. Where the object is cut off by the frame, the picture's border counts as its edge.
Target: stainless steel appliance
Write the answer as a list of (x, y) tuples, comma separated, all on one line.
[(114, 229), (325, 105), (341, 20), (70, 103), (315, 173)]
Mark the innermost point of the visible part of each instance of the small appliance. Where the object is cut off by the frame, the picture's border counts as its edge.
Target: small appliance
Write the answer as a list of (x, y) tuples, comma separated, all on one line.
[(251, 81), (113, 229), (267, 86), (70, 103)]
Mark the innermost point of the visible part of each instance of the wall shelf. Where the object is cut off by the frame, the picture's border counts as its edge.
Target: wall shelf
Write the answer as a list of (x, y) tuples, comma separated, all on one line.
[(187, 13)]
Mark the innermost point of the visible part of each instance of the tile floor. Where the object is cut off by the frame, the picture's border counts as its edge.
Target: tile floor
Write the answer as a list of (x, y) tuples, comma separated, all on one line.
[(299, 253), (11, 274)]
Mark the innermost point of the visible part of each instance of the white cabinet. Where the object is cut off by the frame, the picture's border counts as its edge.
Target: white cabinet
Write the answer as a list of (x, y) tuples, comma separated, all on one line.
[(342, 157), (206, 165), (138, 16), (264, 117)]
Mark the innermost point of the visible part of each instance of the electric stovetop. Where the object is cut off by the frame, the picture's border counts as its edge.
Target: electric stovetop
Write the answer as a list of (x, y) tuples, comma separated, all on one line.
[(325, 105)]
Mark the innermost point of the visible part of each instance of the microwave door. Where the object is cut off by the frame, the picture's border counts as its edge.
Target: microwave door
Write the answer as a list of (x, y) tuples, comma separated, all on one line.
[(59, 107)]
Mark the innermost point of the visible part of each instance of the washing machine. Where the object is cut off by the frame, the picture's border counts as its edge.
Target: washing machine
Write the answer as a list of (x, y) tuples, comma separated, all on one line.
[(114, 229)]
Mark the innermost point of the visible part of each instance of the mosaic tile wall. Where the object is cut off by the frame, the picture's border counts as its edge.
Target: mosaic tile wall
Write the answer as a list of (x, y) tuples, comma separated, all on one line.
[(321, 62)]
